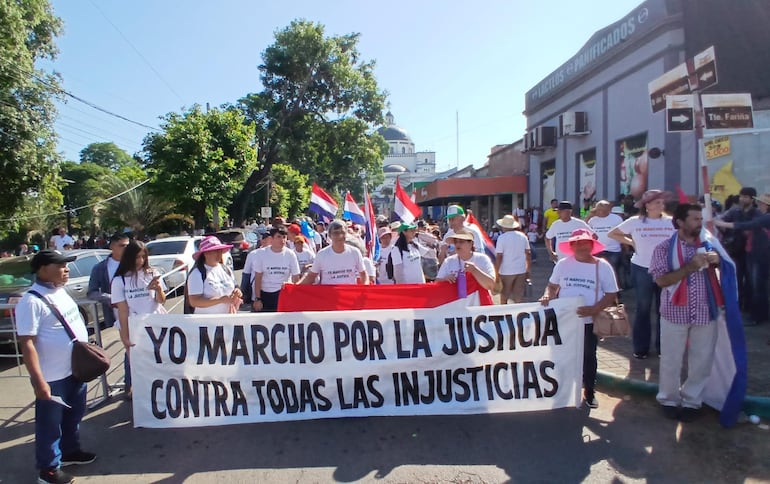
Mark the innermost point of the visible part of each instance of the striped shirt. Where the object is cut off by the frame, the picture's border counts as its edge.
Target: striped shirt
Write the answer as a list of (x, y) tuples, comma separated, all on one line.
[(697, 309)]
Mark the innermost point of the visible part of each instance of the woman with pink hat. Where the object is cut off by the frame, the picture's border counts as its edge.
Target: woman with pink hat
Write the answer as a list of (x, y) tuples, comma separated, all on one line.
[(582, 274), (211, 287), (644, 232)]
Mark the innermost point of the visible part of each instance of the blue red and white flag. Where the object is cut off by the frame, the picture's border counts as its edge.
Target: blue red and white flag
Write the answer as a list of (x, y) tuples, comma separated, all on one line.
[(405, 209), (352, 212), (323, 204), (489, 246), (371, 239)]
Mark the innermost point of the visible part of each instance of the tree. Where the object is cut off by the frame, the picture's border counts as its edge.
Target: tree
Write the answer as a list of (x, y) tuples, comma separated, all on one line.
[(83, 185), (200, 159), (27, 143), (137, 209), (290, 193), (315, 89), (107, 155)]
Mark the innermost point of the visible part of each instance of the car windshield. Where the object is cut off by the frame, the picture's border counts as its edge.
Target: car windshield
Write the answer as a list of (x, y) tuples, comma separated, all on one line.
[(166, 247), (230, 237), (15, 272)]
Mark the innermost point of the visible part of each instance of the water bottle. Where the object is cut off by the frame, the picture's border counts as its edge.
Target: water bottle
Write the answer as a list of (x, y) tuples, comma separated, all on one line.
[(462, 285)]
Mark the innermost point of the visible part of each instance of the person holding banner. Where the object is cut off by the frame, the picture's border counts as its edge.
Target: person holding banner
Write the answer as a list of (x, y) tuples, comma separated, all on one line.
[(467, 260), (338, 263), (136, 289), (406, 257), (582, 274), (211, 286)]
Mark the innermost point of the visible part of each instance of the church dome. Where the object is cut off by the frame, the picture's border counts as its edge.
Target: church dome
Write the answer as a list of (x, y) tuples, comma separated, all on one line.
[(391, 132), (394, 169)]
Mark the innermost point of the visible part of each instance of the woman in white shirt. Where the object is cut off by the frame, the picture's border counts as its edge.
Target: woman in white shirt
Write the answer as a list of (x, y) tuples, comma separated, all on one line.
[(406, 257), (136, 289), (582, 274), (211, 287), (467, 260), (644, 232)]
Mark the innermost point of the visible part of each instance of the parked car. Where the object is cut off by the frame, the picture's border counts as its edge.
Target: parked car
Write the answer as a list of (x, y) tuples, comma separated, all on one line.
[(16, 277), (171, 253), (243, 240)]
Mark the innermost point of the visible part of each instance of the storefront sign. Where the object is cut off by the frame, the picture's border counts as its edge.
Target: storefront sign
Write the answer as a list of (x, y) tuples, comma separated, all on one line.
[(598, 48), (727, 111)]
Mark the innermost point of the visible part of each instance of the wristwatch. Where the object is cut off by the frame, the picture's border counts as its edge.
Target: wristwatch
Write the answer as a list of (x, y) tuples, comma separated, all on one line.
[(257, 299)]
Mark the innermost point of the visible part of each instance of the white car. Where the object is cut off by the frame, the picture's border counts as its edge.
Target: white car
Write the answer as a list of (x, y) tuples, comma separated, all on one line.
[(173, 253)]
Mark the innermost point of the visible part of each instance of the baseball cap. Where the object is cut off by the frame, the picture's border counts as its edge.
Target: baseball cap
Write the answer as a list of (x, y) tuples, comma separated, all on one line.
[(49, 256), (565, 205), (453, 211)]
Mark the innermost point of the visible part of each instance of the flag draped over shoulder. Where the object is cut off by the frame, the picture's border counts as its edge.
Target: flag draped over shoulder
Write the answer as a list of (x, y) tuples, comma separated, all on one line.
[(319, 297), (351, 211), (405, 209), (489, 246), (323, 204), (370, 238)]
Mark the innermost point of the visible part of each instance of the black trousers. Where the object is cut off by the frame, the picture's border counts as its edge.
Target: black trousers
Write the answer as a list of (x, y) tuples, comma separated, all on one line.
[(269, 301)]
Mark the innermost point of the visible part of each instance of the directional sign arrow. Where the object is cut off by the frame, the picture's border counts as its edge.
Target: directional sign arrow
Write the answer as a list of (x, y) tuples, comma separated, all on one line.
[(707, 75), (680, 119)]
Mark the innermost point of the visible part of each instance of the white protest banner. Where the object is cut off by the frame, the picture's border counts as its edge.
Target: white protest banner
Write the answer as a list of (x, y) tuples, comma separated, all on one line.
[(199, 370)]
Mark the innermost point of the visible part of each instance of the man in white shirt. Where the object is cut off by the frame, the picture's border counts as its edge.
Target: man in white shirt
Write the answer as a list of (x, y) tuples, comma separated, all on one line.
[(455, 216), (273, 267), (338, 263), (512, 261), (47, 349), (61, 241), (561, 230), (602, 222)]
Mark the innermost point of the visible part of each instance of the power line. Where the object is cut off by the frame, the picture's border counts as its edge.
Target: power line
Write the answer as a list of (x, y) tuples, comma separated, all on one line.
[(113, 135), (137, 52)]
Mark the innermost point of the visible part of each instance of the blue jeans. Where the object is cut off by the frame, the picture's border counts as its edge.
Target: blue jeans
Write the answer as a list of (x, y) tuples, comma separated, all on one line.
[(759, 271), (647, 293), (57, 428)]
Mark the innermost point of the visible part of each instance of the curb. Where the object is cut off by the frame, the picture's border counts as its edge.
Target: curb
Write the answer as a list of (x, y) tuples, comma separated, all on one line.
[(752, 405)]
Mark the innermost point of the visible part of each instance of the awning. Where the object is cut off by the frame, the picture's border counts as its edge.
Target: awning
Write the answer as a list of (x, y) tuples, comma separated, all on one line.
[(441, 192)]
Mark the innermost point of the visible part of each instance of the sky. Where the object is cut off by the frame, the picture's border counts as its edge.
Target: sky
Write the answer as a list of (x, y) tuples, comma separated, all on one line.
[(439, 61)]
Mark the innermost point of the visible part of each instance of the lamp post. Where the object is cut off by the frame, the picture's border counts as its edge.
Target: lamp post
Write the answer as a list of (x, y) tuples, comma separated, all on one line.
[(67, 204)]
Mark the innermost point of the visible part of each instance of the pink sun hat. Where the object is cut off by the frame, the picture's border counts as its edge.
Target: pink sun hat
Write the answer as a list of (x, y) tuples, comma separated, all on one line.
[(578, 235), (211, 243)]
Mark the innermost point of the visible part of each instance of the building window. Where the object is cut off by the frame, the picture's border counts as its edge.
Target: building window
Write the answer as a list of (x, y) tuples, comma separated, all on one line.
[(403, 150)]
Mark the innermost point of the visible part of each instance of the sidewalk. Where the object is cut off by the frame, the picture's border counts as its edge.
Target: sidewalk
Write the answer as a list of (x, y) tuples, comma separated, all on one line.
[(618, 367)]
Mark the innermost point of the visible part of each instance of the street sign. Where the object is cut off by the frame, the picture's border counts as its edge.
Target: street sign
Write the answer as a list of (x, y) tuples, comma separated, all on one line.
[(675, 81), (266, 212), (680, 114), (705, 65), (727, 111)]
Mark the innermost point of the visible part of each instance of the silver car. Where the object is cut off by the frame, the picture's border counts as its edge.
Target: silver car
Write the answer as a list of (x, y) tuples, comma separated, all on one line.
[(16, 277), (174, 256)]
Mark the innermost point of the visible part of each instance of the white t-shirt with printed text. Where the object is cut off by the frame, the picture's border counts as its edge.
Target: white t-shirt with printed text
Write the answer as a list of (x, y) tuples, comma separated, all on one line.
[(647, 233), (602, 226), (579, 279), (452, 265), (218, 283), (562, 231), (133, 290), (338, 268), (53, 345), (407, 265), (276, 268)]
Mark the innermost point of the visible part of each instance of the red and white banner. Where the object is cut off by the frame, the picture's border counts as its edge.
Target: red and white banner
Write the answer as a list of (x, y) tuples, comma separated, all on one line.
[(202, 370)]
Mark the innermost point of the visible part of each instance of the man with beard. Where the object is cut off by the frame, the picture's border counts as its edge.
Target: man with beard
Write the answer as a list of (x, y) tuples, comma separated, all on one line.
[(690, 303)]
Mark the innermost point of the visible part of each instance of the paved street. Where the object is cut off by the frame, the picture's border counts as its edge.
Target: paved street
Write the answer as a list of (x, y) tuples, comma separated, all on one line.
[(624, 440)]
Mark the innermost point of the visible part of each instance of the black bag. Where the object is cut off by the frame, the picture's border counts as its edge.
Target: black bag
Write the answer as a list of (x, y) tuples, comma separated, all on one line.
[(188, 309), (89, 360), (389, 267)]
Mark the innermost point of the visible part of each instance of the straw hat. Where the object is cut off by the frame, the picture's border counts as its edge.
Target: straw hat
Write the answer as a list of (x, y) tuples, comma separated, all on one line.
[(508, 222), (764, 198), (651, 196)]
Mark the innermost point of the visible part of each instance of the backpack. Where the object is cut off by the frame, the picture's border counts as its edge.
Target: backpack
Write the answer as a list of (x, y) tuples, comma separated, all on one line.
[(188, 309)]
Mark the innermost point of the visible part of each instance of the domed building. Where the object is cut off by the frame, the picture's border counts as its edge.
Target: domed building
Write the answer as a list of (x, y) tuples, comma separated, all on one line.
[(412, 167)]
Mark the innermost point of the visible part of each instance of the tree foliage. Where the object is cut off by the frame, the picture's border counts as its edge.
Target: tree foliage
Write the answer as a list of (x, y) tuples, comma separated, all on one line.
[(107, 155), (290, 191), (200, 159), (138, 209), (316, 92), (27, 145)]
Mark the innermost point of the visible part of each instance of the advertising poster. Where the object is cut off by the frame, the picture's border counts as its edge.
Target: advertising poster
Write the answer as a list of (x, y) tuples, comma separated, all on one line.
[(586, 161), (548, 176), (632, 165)]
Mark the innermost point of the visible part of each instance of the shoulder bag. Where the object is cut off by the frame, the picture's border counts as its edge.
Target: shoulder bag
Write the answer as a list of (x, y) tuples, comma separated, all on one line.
[(89, 360), (612, 320)]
